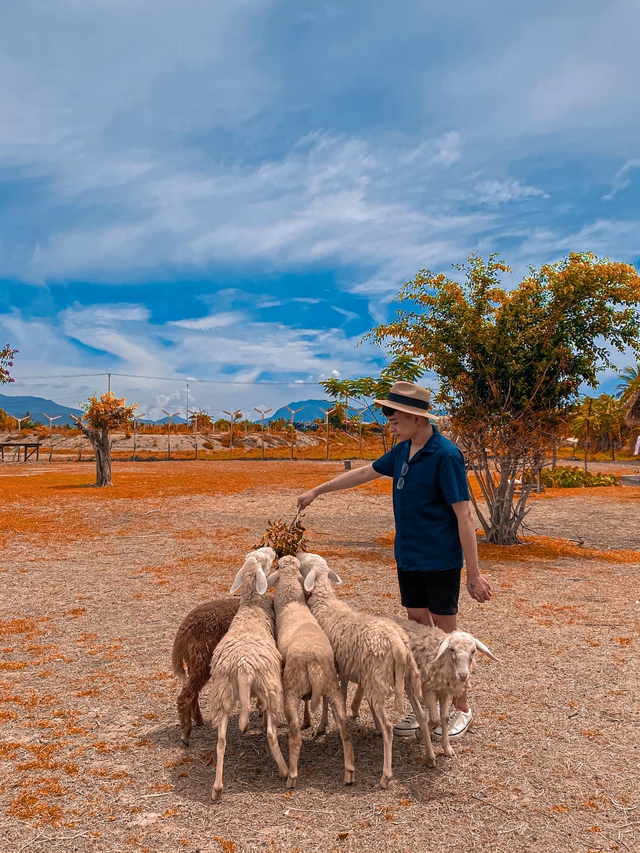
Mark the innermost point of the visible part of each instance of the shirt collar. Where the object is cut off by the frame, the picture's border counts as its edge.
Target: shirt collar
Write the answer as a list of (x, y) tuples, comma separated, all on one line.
[(429, 447)]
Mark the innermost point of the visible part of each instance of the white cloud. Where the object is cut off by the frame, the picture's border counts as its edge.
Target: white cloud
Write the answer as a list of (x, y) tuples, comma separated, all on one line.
[(498, 192), (622, 178), (132, 349), (213, 321)]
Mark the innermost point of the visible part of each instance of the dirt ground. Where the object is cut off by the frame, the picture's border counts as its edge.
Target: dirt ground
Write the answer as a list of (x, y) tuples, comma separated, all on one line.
[(95, 582)]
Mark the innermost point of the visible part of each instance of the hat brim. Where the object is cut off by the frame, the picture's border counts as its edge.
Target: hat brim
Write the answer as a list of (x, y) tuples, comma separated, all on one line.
[(409, 410)]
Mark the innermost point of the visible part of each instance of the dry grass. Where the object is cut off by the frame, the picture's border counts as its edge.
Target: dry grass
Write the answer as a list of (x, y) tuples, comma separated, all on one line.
[(95, 583)]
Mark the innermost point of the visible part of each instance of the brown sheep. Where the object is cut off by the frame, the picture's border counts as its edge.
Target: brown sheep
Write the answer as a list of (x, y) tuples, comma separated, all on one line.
[(199, 633)]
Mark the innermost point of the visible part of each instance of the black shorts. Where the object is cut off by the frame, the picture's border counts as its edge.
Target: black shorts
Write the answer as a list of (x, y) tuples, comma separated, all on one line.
[(437, 591)]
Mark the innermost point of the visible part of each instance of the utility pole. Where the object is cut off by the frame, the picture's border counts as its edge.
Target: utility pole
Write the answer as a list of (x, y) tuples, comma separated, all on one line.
[(360, 436), (135, 434), (195, 423), (293, 429), (51, 420), (262, 413), (170, 415), (233, 417), (187, 406), (326, 413), (108, 383)]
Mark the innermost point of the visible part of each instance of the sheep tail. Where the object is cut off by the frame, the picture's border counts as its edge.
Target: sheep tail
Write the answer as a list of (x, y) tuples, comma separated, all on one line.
[(400, 665), (177, 659), (244, 693), (316, 679)]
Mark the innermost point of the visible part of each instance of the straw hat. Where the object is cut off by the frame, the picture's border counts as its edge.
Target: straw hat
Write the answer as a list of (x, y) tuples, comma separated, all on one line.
[(410, 398)]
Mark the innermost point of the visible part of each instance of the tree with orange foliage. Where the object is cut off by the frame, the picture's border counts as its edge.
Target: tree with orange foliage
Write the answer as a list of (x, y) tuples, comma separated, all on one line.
[(6, 360), (511, 362), (101, 415)]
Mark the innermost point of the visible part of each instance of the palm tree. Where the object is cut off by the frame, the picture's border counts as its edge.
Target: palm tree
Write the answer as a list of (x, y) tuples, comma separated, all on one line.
[(629, 383), (586, 424), (610, 419)]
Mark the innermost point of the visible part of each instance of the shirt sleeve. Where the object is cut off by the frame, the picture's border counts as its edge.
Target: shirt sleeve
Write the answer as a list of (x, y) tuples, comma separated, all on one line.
[(452, 478), (385, 464)]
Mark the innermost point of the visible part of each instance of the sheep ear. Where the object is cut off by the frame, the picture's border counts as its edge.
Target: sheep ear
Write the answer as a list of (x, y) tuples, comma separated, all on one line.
[(261, 582), (237, 582), (334, 577), (273, 579), (444, 645), (486, 651), (310, 580)]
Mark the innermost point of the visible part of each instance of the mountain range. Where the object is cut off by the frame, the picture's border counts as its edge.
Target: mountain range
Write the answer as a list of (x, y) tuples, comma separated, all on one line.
[(309, 410), (37, 406)]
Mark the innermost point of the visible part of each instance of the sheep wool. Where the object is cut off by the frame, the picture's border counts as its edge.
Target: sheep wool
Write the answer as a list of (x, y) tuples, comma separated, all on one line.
[(199, 633), (309, 666), (446, 662), (246, 662), (369, 651)]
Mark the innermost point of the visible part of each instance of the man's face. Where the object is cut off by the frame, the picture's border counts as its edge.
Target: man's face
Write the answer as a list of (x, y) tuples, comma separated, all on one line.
[(403, 425)]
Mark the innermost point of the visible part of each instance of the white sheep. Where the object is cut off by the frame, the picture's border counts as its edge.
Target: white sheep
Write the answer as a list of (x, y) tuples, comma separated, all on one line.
[(246, 662), (309, 665), (446, 662), (369, 651)]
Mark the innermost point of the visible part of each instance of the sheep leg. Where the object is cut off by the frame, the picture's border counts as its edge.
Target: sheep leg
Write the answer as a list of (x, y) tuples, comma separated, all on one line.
[(196, 714), (324, 720), (188, 706), (185, 706), (295, 738), (376, 721), (274, 746), (418, 710), (445, 704), (306, 717), (357, 701), (339, 711), (220, 751), (431, 702), (387, 737)]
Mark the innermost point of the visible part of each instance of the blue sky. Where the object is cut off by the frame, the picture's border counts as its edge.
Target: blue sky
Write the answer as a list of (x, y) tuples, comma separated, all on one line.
[(236, 190)]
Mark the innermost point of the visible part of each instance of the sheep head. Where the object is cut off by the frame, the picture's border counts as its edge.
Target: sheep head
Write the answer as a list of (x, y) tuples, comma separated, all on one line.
[(287, 567), (313, 566), (460, 648), (253, 572)]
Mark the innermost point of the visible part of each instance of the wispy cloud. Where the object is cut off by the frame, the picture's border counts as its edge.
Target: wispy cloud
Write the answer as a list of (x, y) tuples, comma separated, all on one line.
[(500, 192), (622, 178), (249, 141)]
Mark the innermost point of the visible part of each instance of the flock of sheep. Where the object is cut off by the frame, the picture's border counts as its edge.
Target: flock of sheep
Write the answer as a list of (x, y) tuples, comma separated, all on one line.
[(306, 644)]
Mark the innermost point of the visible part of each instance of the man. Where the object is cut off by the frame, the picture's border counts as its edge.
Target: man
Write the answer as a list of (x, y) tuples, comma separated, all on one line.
[(434, 524)]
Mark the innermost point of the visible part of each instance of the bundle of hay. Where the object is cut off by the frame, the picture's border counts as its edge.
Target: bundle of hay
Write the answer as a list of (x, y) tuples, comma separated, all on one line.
[(285, 539)]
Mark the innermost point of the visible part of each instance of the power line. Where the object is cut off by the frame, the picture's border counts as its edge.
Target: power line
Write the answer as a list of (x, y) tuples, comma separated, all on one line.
[(165, 379)]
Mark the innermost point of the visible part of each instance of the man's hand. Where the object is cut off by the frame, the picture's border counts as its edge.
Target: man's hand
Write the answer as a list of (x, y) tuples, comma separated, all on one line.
[(306, 499), (478, 588)]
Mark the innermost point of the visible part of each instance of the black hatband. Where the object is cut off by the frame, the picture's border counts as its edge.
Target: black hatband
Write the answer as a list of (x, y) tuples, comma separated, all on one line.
[(408, 401)]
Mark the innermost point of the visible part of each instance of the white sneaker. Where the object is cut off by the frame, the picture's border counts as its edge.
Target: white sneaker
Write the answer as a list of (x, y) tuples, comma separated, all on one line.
[(459, 722), (407, 727)]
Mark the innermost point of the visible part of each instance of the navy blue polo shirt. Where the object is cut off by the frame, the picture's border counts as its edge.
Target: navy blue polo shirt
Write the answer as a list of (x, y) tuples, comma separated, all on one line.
[(427, 537)]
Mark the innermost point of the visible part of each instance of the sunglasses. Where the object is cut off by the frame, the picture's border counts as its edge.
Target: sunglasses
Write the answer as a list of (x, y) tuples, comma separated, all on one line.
[(403, 473)]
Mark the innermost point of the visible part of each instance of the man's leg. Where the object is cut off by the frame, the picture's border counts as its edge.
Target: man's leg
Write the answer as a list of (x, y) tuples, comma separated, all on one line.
[(420, 614)]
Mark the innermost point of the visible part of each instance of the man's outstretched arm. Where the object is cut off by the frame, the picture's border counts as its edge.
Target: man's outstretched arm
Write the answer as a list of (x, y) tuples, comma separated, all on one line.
[(355, 477)]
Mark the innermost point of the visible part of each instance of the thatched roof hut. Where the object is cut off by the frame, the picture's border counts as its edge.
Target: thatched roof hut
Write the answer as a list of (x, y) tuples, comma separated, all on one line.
[(633, 414)]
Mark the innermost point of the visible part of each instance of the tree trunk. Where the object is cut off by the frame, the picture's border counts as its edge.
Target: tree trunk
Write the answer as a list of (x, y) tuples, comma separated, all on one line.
[(102, 449), (503, 517)]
